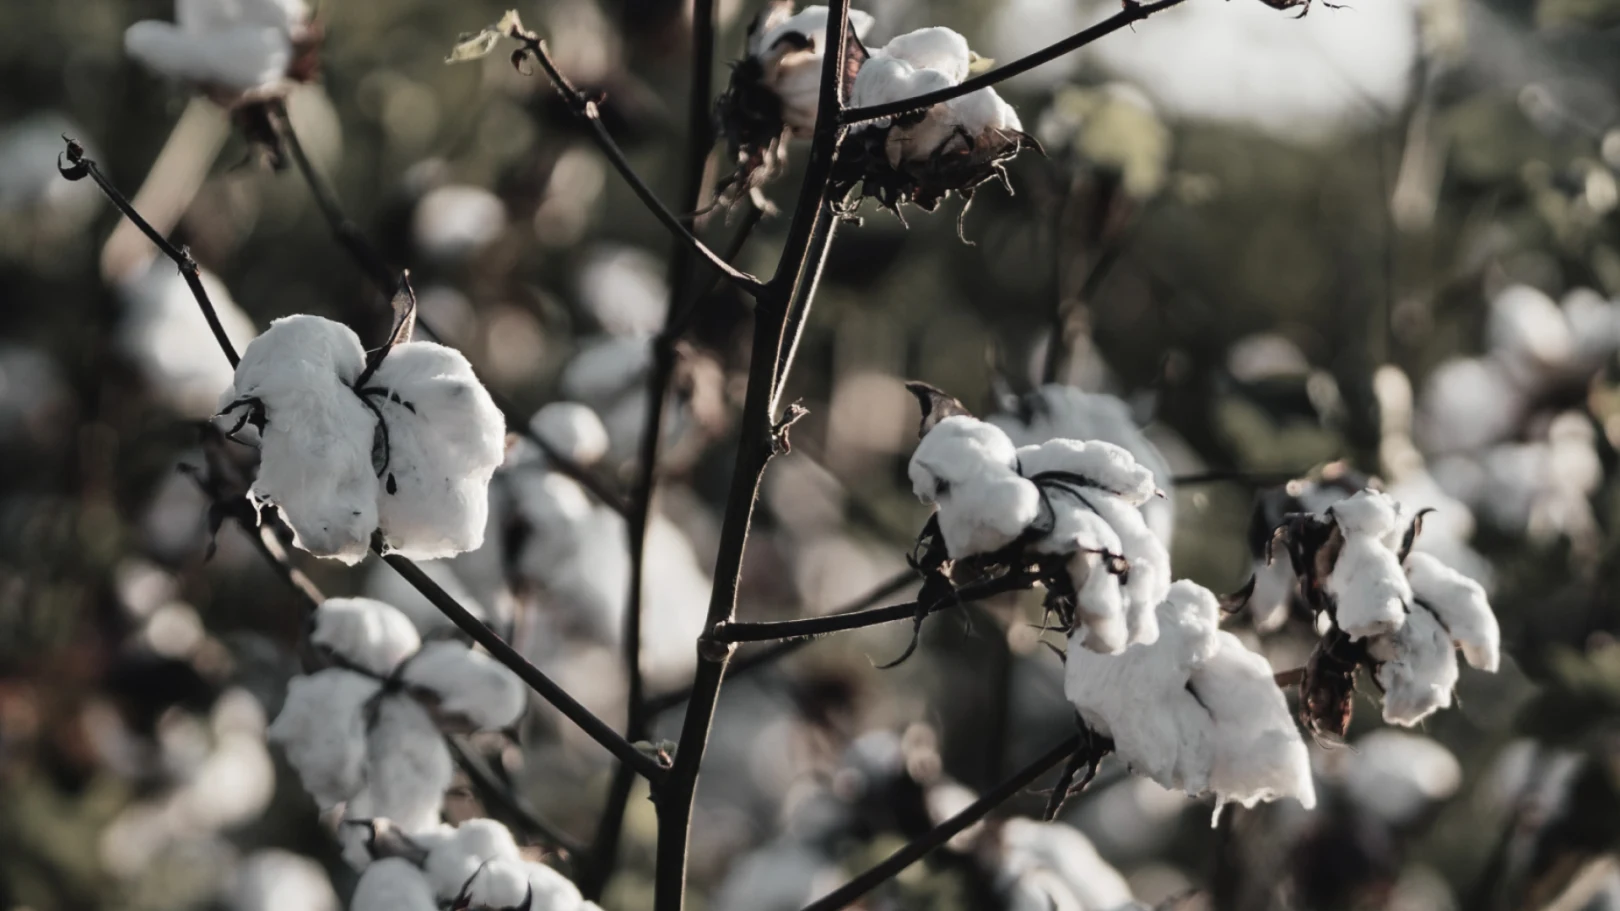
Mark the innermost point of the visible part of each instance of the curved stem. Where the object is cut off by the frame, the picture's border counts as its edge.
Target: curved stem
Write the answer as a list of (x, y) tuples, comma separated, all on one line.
[(1133, 12), (766, 631)]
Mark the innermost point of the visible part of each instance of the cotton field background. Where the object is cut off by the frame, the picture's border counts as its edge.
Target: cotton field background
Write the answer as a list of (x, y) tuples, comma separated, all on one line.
[(1233, 402)]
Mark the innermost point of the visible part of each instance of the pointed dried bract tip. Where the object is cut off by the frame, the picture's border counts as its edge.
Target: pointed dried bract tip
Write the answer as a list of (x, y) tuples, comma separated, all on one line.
[(936, 405), (1236, 601)]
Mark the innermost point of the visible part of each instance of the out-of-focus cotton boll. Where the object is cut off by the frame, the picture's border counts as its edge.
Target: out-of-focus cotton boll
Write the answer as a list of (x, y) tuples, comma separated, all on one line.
[(1467, 403), (1447, 529), (35, 405), (315, 451), (231, 787), (1051, 865), (234, 48), (164, 333), (1132, 819), (476, 842), (1528, 334), (624, 288), (275, 880), (454, 221), (573, 430), (322, 730), (365, 633), (393, 884), (784, 875), (446, 437), (1056, 411), (1242, 64), (1394, 775), (467, 684), (1594, 326)]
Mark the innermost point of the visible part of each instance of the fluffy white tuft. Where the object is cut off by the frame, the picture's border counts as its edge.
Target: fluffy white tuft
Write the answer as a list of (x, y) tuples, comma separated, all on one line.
[(573, 430), (366, 633), (451, 865), (967, 468), (322, 730), (1418, 670), (393, 884), (467, 684), (1461, 606), (1367, 582)]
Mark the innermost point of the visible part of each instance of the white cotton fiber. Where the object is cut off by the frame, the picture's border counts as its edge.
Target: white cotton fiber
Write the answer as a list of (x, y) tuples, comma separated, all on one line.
[(1418, 670), (393, 884), (573, 430), (920, 62), (240, 46), (1053, 859), (467, 684), (408, 767), (1367, 582), (1461, 606), (1259, 755), (446, 437), (451, 864), (552, 891), (967, 468), (322, 731), (934, 48), (791, 70), (366, 633), (315, 451), (1103, 465)]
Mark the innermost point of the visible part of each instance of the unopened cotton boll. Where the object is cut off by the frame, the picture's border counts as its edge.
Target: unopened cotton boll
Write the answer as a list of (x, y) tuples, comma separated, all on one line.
[(967, 468), (1459, 603), (315, 449), (366, 633), (232, 47), (393, 884), (452, 864), (445, 439), (322, 731), (467, 684), (573, 430), (1367, 583)]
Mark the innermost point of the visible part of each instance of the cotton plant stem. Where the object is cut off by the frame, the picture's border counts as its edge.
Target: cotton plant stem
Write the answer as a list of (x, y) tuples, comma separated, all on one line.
[(699, 141), (767, 631), (787, 292), (504, 804), (852, 891), (1132, 13)]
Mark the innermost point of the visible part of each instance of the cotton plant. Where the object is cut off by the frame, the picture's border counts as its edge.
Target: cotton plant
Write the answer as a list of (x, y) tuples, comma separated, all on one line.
[(476, 866), (365, 733), (1041, 866), (397, 445), (1194, 710), (1398, 611), (1066, 508), (235, 51)]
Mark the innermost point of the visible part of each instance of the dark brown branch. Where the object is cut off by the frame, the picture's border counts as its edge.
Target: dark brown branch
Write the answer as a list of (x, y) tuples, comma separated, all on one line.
[(585, 109), (765, 657), (919, 847), (1132, 13), (766, 631), (78, 167), (504, 804)]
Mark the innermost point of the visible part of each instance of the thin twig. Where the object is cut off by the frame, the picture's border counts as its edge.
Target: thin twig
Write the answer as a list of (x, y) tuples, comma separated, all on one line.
[(770, 654), (503, 803), (891, 866), (586, 110), (1132, 13), (770, 630), (78, 167)]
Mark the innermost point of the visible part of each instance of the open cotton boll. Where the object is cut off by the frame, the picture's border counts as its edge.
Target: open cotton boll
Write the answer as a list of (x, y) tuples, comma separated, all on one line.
[(1099, 600), (573, 430), (1529, 334), (1467, 403), (393, 884), (1367, 582), (1054, 861), (933, 48), (1259, 755), (499, 884), (467, 684), (884, 79), (1395, 775), (235, 46), (446, 437), (1105, 466), (789, 50), (452, 863), (1418, 669), (966, 468), (271, 879), (1148, 581), (408, 767), (553, 891), (368, 634), (315, 449), (1461, 606), (164, 333), (322, 731)]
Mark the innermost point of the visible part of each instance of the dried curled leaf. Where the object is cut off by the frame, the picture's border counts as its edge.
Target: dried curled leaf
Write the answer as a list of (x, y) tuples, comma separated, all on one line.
[(473, 45)]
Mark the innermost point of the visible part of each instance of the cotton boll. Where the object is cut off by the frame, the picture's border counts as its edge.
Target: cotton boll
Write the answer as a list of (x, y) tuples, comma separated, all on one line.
[(1418, 670), (604, 368), (239, 59), (934, 48), (393, 884), (1367, 583), (273, 880), (445, 440), (789, 50), (1055, 861), (315, 450), (1594, 326), (966, 468), (1396, 775), (1149, 579), (1259, 755), (408, 767), (322, 730), (1274, 586), (1529, 335), (467, 684), (384, 584), (552, 891), (499, 884), (450, 865), (783, 875), (165, 334), (573, 430), (1467, 403), (455, 221), (1103, 465), (366, 633), (1461, 606), (624, 288)]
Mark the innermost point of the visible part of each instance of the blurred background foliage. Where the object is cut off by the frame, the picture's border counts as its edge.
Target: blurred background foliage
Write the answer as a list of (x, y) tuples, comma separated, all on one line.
[(1262, 233)]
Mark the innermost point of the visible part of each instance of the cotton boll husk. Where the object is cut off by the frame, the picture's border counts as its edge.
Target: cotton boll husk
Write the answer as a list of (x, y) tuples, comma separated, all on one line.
[(1460, 604), (315, 451), (1066, 858), (573, 430), (1259, 755), (1467, 403), (966, 468), (443, 447), (452, 863), (408, 767), (366, 633), (467, 684), (322, 730), (165, 334), (393, 884), (1104, 465), (275, 880), (1419, 668)]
